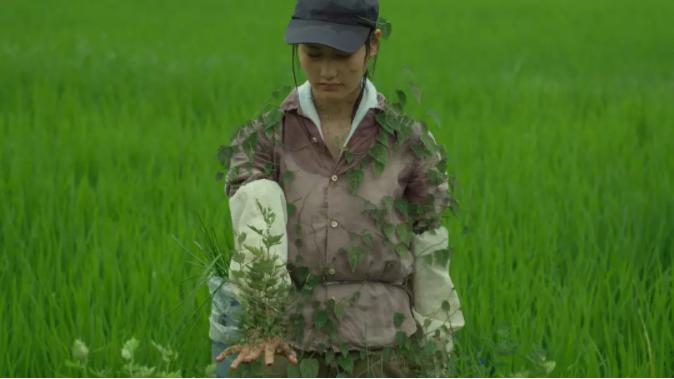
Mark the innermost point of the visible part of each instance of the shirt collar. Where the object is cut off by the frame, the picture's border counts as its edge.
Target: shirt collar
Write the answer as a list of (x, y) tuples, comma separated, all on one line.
[(301, 100)]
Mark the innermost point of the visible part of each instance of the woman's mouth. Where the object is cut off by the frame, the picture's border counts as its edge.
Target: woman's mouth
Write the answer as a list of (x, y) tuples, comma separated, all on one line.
[(329, 86)]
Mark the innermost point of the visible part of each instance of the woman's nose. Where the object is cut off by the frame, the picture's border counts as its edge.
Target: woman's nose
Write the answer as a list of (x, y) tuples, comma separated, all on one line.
[(328, 69)]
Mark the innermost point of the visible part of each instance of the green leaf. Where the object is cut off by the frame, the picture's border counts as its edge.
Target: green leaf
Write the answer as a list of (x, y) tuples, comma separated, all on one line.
[(383, 139), (348, 156), (385, 27), (344, 349), (377, 168), (402, 206), (388, 202), (401, 338), (339, 311), (273, 119), (402, 98), (378, 153), (291, 209), (288, 176), (401, 249), (320, 318), (309, 368), (256, 230), (225, 153), (387, 353), (386, 122), (404, 233), (355, 178), (367, 240), (293, 371), (398, 319), (389, 232), (329, 356), (355, 256), (346, 363)]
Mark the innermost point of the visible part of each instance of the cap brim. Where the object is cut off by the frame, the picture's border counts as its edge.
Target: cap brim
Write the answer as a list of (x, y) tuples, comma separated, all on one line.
[(346, 38)]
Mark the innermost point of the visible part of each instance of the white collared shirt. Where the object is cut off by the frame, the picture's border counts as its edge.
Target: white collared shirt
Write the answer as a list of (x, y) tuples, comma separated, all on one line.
[(308, 108)]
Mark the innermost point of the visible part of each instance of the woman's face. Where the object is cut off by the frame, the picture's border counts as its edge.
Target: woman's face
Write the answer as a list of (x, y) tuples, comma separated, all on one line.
[(333, 74)]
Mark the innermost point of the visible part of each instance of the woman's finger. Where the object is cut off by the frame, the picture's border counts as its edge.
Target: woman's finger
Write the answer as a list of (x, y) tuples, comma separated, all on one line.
[(269, 350), (228, 351), (254, 353), (289, 352), (240, 358)]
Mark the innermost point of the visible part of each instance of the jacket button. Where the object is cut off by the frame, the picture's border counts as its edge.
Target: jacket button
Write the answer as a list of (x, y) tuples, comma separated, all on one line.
[(334, 223), (314, 139), (331, 271), (334, 178)]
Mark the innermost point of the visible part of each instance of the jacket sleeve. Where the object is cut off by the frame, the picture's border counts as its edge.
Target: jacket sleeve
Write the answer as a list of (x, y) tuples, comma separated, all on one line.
[(250, 156), (427, 192), (251, 177)]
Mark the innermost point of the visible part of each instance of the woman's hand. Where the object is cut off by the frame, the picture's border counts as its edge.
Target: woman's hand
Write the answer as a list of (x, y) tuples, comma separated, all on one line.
[(249, 353)]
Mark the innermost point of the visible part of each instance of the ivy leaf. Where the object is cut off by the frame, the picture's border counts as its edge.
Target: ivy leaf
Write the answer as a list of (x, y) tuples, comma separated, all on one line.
[(320, 319), (401, 338), (367, 240), (404, 232), (387, 353), (273, 119), (302, 274), (383, 140), (339, 311), (355, 256), (388, 202), (225, 153), (418, 150), (377, 168), (402, 98), (378, 153), (402, 206), (293, 371), (348, 156), (346, 363), (288, 176), (385, 27), (389, 232), (401, 249), (309, 368), (344, 349), (354, 177), (291, 209), (398, 319), (427, 139), (386, 123)]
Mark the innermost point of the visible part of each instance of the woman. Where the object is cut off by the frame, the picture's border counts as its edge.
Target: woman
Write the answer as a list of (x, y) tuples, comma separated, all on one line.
[(361, 191)]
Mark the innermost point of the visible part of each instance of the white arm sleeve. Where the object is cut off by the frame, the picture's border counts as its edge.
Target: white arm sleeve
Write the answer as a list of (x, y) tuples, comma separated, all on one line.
[(433, 286), (244, 211)]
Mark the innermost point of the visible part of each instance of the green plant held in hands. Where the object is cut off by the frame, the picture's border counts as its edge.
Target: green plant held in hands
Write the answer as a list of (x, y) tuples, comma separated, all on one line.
[(264, 297)]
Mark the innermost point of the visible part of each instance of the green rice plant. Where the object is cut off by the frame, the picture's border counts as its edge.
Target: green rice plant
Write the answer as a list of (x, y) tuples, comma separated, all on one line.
[(131, 368)]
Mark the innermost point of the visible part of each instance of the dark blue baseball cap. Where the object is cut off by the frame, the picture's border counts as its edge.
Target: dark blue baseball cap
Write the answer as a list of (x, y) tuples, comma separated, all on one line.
[(340, 24)]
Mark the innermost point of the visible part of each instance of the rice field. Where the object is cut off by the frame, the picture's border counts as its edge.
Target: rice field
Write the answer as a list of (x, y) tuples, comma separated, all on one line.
[(558, 117)]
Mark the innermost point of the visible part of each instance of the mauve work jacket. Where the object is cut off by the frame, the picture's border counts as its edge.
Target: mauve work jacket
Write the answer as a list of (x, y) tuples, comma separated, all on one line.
[(323, 220)]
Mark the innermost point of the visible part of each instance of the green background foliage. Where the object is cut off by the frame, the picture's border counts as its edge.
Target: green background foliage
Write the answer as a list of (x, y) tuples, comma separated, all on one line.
[(556, 115)]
